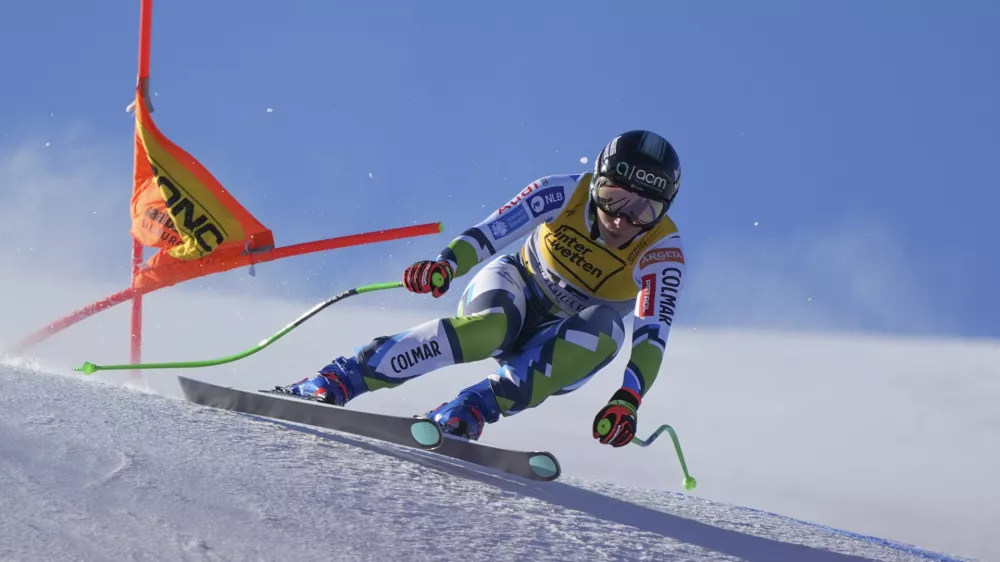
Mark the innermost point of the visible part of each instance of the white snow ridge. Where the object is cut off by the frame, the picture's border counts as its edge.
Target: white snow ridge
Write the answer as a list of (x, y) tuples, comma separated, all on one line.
[(95, 471)]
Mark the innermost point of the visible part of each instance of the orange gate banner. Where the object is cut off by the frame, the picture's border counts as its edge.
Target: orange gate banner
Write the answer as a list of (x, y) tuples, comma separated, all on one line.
[(181, 209)]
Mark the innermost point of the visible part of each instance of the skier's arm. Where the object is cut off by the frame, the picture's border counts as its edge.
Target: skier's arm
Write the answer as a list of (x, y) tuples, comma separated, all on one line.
[(539, 202), (659, 274)]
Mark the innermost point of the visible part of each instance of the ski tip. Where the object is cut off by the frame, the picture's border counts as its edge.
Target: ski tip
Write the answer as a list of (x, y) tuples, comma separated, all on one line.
[(544, 466), (427, 433)]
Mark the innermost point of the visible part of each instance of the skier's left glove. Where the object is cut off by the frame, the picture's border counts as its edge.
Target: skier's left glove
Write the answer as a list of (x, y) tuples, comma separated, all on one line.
[(420, 277), (616, 423)]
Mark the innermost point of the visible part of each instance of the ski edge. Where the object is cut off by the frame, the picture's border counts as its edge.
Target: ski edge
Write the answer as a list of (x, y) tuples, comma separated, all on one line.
[(540, 466)]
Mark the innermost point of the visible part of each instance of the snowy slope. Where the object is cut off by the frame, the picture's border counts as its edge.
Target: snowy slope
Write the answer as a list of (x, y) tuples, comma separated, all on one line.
[(95, 471), (885, 436)]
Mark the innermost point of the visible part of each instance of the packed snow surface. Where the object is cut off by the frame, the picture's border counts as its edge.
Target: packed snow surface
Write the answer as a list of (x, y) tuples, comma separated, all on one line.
[(94, 471)]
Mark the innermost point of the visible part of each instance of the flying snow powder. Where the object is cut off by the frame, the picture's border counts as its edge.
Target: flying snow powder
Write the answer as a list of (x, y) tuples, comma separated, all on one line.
[(583, 160)]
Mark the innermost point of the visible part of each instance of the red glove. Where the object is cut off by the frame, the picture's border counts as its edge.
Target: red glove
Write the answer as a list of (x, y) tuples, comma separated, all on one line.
[(616, 423), (427, 276)]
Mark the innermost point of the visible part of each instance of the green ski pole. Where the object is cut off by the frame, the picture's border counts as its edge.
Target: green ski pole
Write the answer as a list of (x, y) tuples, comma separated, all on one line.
[(689, 481), (89, 368)]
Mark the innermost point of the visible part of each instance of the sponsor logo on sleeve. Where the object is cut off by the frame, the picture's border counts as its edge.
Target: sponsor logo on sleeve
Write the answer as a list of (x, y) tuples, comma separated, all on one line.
[(659, 255), (647, 296), (670, 282), (546, 200), (513, 202), (508, 223)]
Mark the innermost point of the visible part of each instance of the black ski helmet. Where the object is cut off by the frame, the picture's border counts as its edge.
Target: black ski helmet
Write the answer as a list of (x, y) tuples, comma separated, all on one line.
[(642, 162)]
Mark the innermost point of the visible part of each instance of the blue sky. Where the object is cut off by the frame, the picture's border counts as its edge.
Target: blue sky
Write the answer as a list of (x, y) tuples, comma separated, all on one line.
[(838, 157)]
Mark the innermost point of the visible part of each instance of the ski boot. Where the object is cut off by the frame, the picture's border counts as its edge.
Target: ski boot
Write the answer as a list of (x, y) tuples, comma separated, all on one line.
[(337, 383), (469, 412)]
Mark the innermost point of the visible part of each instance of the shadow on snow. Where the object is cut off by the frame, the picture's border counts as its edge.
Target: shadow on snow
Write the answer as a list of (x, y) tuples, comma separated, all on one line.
[(688, 531)]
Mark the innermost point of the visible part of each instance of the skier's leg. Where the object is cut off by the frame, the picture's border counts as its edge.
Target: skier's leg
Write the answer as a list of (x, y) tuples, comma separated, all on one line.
[(561, 357), (490, 317)]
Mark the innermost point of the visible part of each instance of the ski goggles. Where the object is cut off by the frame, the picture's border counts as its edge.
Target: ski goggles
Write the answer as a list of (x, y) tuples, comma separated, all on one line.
[(620, 202)]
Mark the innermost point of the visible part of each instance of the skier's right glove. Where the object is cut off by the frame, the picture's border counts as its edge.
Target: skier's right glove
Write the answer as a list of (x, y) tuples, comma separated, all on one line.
[(427, 276)]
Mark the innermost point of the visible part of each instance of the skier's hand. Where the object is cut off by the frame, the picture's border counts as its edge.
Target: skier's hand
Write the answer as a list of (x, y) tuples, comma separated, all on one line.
[(427, 276), (616, 423)]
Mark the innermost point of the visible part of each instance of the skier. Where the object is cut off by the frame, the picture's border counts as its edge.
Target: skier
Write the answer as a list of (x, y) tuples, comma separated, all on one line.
[(601, 245)]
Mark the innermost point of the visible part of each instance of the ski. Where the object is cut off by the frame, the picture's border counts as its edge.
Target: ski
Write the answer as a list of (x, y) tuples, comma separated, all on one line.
[(534, 465), (410, 431)]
